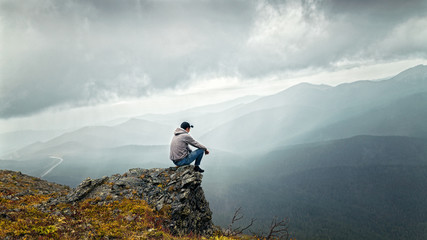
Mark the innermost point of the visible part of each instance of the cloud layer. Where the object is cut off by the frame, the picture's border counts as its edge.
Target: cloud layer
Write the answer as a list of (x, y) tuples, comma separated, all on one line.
[(57, 53)]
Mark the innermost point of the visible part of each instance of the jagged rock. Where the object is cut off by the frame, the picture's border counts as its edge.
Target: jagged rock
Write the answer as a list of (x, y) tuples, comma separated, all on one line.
[(86, 187), (176, 188)]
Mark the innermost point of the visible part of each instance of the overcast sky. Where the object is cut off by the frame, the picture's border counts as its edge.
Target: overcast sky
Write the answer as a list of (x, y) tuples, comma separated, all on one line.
[(62, 55)]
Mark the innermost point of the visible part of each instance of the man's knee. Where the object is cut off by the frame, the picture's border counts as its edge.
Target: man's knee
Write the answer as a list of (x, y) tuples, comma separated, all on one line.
[(200, 151)]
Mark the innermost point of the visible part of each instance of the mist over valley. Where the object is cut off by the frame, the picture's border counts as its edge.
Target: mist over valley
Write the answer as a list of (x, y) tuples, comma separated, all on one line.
[(341, 162)]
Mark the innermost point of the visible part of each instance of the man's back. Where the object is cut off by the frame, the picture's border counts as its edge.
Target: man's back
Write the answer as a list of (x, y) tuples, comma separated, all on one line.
[(179, 147)]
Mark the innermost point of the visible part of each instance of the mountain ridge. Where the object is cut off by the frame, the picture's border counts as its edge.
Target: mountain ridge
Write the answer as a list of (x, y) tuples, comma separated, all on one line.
[(333, 104)]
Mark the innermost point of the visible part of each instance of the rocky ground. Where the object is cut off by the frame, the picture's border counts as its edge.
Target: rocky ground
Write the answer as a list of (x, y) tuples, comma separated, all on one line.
[(176, 189), (141, 203)]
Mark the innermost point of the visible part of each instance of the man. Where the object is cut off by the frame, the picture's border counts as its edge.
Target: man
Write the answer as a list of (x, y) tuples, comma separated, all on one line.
[(180, 153)]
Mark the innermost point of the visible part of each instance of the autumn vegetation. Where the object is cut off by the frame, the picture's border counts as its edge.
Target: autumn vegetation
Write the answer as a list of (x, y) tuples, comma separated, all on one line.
[(25, 214)]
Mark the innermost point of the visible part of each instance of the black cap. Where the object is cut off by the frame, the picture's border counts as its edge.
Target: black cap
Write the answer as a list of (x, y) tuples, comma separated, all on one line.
[(186, 125)]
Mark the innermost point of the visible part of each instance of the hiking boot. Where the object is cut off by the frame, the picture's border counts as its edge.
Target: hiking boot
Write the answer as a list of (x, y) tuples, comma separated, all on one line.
[(198, 169)]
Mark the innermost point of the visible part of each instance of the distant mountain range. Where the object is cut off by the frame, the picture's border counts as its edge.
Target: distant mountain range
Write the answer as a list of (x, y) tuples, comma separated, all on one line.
[(344, 162), (303, 113), (13, 141), (308, 113), (132, 132)]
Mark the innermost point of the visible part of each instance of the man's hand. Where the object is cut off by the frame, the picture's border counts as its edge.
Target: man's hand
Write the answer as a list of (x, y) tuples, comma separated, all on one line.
[(206, 151)]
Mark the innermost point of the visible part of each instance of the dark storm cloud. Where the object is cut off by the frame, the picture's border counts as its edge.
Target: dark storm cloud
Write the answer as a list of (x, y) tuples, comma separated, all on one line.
[(77, 52), (87, 52)]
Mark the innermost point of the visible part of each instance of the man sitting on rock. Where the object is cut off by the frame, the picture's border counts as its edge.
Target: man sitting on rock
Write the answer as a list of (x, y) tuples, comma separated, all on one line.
[(180, 153)]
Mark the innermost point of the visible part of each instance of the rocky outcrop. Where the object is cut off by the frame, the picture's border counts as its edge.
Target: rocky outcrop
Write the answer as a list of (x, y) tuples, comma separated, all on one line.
[(177, 189)]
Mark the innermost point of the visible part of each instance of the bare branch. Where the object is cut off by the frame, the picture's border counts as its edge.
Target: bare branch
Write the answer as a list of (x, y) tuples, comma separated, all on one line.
[(247, 227), (278, 230), (236, 217)]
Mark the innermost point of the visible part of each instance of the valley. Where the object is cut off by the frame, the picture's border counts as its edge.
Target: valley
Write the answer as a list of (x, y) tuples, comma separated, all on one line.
[(343, 162)]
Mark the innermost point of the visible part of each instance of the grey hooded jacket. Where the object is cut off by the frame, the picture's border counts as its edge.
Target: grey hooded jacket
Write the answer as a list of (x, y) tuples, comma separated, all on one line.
[(179, 144)]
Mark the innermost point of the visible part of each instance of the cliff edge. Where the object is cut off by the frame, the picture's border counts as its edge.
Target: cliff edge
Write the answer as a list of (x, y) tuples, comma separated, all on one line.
[(140, 203), (177, 190)]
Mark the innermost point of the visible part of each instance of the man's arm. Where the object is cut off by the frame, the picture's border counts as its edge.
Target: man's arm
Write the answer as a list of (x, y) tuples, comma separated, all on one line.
[(190, 140)]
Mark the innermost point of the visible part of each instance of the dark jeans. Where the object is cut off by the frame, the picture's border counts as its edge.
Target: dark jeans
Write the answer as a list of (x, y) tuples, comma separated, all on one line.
[(194, 155)]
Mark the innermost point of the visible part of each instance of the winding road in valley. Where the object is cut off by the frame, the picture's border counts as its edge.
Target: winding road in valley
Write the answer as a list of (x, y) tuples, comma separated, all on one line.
[(54, 166)]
